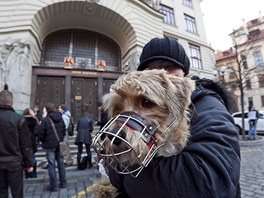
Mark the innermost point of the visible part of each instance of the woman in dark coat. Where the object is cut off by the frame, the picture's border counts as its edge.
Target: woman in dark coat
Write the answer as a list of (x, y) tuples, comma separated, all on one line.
[(84, 130), (32, 121)]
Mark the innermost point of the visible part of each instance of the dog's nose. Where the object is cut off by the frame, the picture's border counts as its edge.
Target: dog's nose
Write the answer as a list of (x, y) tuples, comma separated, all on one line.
[(117, 140)]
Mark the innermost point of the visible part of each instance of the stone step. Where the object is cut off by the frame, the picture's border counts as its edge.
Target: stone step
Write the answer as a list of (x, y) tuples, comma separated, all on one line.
[(71, 174), (42, 161)]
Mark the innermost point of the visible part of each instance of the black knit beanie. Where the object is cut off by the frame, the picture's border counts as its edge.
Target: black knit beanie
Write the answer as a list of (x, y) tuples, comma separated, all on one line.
[(167, 49)]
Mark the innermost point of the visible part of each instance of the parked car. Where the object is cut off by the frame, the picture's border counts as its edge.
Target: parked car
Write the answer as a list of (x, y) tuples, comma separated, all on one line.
[(238, 120)]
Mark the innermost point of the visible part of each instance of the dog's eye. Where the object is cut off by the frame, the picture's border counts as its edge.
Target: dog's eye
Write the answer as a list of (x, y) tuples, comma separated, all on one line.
[(146, 103)]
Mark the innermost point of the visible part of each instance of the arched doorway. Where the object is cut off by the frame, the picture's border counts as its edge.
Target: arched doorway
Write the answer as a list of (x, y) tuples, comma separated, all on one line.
[(95, 65)]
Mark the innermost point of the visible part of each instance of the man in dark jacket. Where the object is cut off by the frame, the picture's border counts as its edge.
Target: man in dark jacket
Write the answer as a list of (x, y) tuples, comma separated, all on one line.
[(15, 148), (84, 129), (209, 166), (51, 145)]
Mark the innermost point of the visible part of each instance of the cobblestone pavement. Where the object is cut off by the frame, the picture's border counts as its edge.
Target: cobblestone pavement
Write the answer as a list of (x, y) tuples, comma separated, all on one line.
[(252, 172), (81, 183)]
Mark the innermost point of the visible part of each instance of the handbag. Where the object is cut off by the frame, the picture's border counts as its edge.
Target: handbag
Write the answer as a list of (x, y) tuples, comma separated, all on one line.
[(63, 144)]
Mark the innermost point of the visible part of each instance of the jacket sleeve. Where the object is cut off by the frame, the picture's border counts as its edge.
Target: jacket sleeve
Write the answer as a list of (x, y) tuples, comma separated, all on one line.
[(25, 143), (209, 166)]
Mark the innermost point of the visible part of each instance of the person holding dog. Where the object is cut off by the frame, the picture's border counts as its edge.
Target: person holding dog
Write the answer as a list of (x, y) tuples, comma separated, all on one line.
[(209, 166)]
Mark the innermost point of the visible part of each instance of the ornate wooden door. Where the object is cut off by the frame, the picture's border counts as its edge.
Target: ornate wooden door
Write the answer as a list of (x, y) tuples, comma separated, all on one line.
[(50, 89), (107, 84), (84, 97)]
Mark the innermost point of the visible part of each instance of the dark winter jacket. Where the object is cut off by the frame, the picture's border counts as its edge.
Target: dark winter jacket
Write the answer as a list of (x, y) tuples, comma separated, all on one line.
[(104, 119), (46, 132), (15, 144), (209, 166), (84, 129), (32, 123)]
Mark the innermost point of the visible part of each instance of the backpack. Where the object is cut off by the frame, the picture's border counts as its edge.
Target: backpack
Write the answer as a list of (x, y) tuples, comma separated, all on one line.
[(71, 126)]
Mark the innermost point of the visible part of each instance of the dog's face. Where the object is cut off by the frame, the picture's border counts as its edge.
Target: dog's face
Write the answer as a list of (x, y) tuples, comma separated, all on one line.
[(149, 117)]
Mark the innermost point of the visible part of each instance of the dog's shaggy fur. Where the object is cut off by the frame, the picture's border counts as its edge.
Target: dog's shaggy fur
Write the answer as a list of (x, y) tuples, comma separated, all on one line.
[(157, 97)]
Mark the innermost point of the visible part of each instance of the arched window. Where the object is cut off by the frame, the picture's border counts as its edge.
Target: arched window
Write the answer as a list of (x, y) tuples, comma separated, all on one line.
[(81, 49)]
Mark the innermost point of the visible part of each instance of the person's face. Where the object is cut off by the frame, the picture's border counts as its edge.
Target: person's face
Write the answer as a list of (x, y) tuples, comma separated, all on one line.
[(60, 109), (170, 67)]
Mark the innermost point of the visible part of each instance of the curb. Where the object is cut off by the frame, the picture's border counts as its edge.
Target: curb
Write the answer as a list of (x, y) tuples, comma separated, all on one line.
[(253, 143)]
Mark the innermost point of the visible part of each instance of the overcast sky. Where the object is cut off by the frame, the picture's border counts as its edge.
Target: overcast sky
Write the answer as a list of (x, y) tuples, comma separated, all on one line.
[(222, 16)]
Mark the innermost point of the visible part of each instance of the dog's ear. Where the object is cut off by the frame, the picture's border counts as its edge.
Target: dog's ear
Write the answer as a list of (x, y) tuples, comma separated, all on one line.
[(113, 103), (179, 92)]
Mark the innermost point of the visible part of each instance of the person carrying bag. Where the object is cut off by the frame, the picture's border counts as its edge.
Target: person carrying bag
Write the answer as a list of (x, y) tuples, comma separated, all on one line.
[(51, 133), (63, 144)]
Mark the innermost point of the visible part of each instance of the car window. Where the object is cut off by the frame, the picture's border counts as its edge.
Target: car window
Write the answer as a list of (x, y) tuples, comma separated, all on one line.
[(238, 115)]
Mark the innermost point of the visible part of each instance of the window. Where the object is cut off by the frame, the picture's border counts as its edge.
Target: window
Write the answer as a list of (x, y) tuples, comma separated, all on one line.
[(248, 84), (190, 23), (225, 53), (85, 47), (250, 102), (195, 57), (169, 14), (253, 33), (232, 75), (261, 80), (258, 58), (239, 32), (187, 3), (255, 21), (244, 61)]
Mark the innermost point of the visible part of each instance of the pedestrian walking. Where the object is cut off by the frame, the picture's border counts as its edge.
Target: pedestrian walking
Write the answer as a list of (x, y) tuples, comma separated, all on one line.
[(84, 129), (50, 143), (66, 114), (253, 116), (15, 148)]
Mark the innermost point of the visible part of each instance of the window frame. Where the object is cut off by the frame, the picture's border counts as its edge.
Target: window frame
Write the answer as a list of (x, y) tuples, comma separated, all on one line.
[(258, 58), (169, 17), (195, 56), (187, 3), (190, 24)]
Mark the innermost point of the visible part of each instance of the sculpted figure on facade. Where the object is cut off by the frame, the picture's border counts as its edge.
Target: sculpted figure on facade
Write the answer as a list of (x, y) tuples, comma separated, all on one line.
[(15, 65), (5, 50)]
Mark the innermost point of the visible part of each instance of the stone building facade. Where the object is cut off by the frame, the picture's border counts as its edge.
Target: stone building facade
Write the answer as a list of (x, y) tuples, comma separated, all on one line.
[(247, 53), (66, 51)]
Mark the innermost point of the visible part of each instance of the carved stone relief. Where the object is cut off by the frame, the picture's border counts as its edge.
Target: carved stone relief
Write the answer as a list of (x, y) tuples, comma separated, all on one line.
[(16, 67)]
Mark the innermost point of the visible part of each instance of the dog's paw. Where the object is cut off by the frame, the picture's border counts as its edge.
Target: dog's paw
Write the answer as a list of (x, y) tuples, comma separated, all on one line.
[(104, 189)]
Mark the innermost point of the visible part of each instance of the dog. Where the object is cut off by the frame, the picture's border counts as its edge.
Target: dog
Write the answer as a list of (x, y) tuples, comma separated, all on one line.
[(149, 117)]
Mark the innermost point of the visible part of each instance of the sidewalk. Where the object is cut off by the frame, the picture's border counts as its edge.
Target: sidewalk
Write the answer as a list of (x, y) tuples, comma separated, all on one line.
[(79, 184)]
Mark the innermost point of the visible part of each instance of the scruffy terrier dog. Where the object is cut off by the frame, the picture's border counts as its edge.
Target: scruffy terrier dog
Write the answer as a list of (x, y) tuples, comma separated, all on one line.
[(149, 117)]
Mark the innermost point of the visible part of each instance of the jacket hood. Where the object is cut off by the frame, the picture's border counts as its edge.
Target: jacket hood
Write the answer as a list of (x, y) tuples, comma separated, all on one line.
[(206, 86), (55, 116), (68, 113), (30, 120)]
